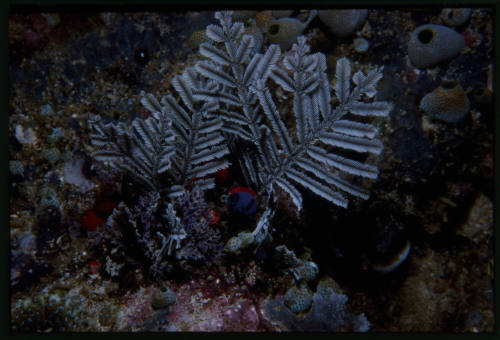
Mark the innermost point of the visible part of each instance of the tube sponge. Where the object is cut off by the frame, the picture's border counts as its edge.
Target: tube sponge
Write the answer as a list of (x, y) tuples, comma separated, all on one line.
[(455, 16), (448, 102), (285, 31), (431, 44), (343, 22)]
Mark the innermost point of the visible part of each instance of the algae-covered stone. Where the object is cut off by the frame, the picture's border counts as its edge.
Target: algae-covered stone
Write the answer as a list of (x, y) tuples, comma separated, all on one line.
[(361, 45), (263, 19), (286, 257), (237, 243), (233, 245), (52, 155), (46, 110), (196, 38), (56, 134), (431, 44), (106, 315), (298, 299), (327, 283), (306, 272), (162, 298), (48, 197), (16, 168), (25, 136), (246, 238)]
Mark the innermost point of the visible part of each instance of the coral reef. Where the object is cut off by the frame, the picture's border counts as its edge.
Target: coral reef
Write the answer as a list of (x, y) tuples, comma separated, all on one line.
[(139, 238)]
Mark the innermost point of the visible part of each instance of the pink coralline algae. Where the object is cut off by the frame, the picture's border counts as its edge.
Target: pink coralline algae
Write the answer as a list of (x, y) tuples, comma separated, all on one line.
[(210, 307), (137, 310)]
